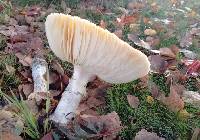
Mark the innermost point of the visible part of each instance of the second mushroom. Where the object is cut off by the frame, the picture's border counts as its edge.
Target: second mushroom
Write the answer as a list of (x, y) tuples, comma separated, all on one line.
[(94, 52)]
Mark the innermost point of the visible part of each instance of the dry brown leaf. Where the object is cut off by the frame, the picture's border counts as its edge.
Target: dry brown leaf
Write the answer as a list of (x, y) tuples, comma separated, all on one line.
[(158, 64), (133, 101), (173, 101), (155, 91), (118, 33), (167, 52), (175, 49), (135, 5), (150, 32), (32, 11), (9, 122), (65, 79), (139, 42), (48, 136), (152, 41), (53, 77), (57, 67), (24, 60), (9, 136), (13, 30), (102, 24), (196, 134), (27, 89), (145, 135), (123, 20), (134, 27), (88, 126)]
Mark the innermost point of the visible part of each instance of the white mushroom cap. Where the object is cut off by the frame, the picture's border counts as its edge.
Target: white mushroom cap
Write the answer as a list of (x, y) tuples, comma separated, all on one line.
[(96, 50)]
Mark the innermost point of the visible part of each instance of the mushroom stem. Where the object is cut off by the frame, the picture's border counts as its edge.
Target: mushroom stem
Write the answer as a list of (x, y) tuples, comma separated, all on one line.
[(72, 96)]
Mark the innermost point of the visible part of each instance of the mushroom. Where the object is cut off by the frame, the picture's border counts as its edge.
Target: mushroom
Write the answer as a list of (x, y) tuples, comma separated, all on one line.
[(93, 51)]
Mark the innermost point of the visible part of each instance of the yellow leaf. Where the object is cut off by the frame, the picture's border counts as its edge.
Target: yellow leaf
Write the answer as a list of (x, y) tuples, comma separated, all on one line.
[(150, 32), (149, 99), (183, 114)]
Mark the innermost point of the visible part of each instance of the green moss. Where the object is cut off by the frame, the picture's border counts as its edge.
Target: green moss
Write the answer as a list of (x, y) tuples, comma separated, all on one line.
[(50, 56), (192, 84), (160, 81), (93, 16), (153, 117), (126, 30), (168, 42), (65, 65)]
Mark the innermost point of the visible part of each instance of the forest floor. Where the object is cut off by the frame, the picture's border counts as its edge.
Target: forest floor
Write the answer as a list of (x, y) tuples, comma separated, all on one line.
[(163, 104)]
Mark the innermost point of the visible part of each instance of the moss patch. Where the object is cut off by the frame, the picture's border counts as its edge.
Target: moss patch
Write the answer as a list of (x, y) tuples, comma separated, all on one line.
[(153, 117), (167, 42)]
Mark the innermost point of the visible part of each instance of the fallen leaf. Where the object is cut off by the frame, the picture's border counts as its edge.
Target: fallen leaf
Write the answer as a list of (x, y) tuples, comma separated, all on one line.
[(13, 30), (13, 21), (35, 43), (24, 60), (53, 77), (124, 19), (118, 33), (158, 64), (134, 27), (139, 42), (145, 135), (194, 68), (89, 126), (196, 134), (150, 32), (57, 67), (167, 52), (155, 91), (192, 98), (186, 41), (183, 114), (96, 97), (102, 24), (133, 101), (27, 89), (135, 5), (48, 136), (175, 49), (9, 136), (173, 101), (152, 41), (32, 11), (9, 122), (65, 79)]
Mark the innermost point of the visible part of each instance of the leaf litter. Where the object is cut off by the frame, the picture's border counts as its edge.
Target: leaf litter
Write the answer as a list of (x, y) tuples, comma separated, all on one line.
[(25, 38)]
